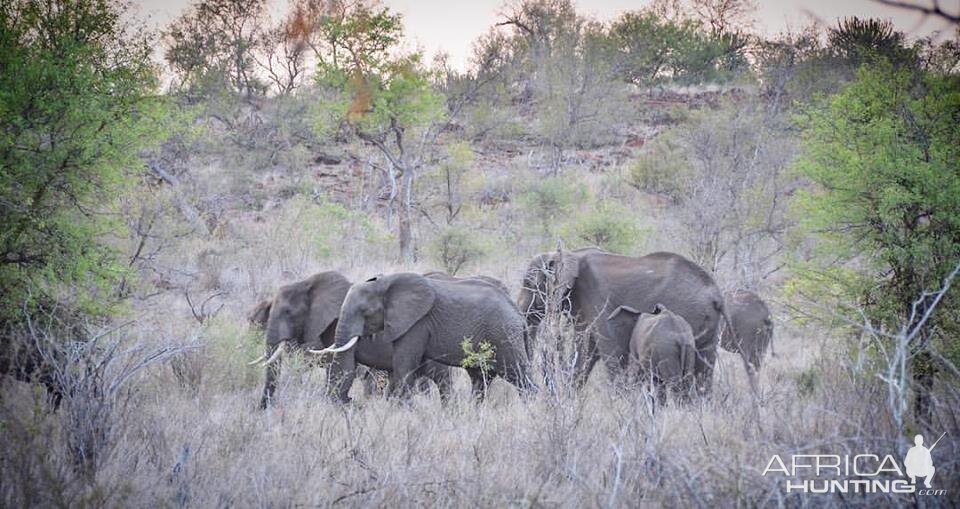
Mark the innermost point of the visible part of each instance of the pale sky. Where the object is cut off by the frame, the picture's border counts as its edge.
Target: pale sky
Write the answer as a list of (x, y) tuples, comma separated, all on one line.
[(452, 25)]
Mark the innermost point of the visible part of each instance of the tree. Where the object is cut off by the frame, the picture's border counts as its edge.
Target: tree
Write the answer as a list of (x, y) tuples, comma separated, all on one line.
[(76, 94), (567, 75), (653, 47), (211, 47), (856, 41), (725, 16), (383, 98), (884, 159)]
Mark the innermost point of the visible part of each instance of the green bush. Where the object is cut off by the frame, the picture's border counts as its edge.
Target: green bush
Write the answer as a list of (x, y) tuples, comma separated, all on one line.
[(550, 200), (659, 169), (807, 382), (609, 226), (455, 248)]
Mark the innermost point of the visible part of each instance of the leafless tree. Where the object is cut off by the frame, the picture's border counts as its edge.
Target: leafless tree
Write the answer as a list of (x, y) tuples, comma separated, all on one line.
[(925, 7)]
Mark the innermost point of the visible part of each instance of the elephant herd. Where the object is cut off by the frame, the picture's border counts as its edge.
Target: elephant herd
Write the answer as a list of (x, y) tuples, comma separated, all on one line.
[(655, 318)]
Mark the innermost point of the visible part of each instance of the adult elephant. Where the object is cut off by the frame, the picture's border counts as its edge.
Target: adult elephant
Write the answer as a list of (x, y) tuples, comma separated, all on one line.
[(589, 284), (492, 281), (405, 321), (750, 332), (303, 315)]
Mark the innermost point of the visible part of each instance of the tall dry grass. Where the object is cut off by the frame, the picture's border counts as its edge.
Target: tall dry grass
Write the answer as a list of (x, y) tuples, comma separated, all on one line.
[(187, 432), (199, 441)]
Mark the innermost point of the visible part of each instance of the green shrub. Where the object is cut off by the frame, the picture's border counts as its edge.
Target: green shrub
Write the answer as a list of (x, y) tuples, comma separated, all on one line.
[(807, 381), (480, 357), (455, 248), (659, 168), (550, 200), (609, 226)]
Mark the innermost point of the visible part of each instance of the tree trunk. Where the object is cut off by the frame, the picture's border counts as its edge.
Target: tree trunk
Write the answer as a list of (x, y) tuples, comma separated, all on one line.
[(405, 215)]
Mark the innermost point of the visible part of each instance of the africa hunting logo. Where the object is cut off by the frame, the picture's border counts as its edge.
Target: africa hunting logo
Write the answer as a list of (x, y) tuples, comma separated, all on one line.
[(872, 473)]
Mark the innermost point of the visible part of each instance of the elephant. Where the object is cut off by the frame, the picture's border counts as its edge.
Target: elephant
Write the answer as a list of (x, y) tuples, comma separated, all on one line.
[(588, 284), (304, 315), (662, 349), (750, 331), (492, 281), (402, 322)]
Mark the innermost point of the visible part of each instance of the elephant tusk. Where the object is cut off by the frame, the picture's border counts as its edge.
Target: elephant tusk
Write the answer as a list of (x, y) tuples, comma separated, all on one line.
[(258, 360), (337, 349), (276, 354)]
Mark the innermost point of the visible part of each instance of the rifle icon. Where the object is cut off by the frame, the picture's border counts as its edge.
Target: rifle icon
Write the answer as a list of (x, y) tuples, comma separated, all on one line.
[(937, 442)]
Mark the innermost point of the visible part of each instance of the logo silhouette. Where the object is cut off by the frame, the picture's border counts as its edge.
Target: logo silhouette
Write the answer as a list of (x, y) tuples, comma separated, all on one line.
[(919, 462)]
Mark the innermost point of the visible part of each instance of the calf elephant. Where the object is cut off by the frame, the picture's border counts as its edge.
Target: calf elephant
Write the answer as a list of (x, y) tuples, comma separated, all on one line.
[(662, 349), (304, 315), (402, 322), (589, 284), (750, 331)]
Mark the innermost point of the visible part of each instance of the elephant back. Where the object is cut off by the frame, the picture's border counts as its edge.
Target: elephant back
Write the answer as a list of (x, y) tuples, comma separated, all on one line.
[(607, 281)]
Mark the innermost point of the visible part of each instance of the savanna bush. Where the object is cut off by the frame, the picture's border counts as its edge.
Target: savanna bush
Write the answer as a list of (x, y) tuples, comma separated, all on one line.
[(455, 247), (610, 226), (550, 200), (659, 169)]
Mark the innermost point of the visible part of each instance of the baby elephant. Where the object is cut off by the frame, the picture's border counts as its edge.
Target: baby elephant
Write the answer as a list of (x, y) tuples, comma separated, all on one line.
[(752, 330), (662, 349)]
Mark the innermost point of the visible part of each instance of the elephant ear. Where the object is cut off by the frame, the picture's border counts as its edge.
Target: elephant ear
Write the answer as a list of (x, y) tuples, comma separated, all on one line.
[(327, 291), (260, 314), (407, 298), (565, 268)]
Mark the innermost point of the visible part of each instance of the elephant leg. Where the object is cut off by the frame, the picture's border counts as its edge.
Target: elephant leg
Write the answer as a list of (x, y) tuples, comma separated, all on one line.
[(703, 368), (340, 376), (478, 384), (270, 384), (440, 374), (369, 380), (661, 391), (586, 356), (751, 373), (407, 360), (615, 357)]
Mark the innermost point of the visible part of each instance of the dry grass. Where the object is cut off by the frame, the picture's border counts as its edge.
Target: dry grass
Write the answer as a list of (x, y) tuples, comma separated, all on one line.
[(202, 443), (188, 433)]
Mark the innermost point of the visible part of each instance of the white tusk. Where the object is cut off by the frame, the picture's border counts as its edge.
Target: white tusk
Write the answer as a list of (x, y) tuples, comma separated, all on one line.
[(258, 360), (276, 353), (336, 349)]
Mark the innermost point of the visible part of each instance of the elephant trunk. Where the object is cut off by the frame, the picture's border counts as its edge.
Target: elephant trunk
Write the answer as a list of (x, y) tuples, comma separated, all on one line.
[(342, 368)]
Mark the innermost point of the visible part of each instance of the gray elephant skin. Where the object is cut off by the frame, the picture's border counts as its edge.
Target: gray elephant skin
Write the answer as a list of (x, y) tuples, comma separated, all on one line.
[(591, 283), (303, 315), (492, 281), (662, 349), (403, 321), (753, 326)]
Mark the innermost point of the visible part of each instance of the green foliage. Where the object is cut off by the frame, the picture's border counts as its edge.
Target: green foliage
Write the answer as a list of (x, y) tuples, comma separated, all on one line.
[(455, 247), (75, 111), (210, 47), (807, 382), (321, 229), (480, 357), (884, 157), (653, 49), (374, 89), (659, 168), (857, 41), (549, 200), (609, 226)]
